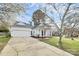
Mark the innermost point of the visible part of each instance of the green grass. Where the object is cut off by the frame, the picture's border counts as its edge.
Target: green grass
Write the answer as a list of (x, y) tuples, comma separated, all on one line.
[(3, 41), (71, 46)]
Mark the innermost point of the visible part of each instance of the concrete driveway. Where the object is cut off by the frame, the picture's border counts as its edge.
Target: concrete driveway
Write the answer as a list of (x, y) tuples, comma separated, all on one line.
[(28, 46)]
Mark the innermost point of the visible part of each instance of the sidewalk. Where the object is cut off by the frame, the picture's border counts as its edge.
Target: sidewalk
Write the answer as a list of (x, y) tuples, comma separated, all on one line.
[(31, 47)]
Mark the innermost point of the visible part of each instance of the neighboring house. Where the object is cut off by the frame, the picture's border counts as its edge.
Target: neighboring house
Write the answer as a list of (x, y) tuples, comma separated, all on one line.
[(20, 29), (71, 32)]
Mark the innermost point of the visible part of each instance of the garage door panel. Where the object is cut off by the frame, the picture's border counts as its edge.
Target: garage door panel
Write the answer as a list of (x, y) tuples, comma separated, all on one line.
[(20, 33)]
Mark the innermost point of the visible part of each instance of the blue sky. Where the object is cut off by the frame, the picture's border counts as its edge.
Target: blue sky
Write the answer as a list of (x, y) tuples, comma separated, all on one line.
[(27, 15), (32, 7)]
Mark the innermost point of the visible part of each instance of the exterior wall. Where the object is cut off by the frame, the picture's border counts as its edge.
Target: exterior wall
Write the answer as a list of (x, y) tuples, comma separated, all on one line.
[(38, 33), (20, 32), (24, 32)]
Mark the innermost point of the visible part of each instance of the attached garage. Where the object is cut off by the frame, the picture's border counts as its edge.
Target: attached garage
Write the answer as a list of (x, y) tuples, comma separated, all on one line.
[(20, 30)]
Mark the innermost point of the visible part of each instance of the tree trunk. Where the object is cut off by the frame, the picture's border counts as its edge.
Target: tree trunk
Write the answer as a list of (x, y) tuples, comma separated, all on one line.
[(60, 42), (60, 38), (72, 38), (72, 35)]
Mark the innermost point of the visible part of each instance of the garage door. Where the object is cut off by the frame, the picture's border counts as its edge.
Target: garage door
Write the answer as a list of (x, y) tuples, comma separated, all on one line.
[(20, 33)]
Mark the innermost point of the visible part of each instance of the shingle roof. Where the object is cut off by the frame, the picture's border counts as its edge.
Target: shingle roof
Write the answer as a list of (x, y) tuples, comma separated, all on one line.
[(22, 24)]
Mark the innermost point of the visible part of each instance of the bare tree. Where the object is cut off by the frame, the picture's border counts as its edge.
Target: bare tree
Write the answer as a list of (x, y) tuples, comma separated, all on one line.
[(9, 12), (72, 21), (62, 11), (38, 17), (62, 21)]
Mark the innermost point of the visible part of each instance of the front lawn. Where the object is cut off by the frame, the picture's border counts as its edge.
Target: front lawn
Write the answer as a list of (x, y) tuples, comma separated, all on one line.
[(71, 46), (3, 41)]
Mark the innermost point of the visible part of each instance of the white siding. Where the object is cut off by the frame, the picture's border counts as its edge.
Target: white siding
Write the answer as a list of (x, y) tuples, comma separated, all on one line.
[(20, 32)]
